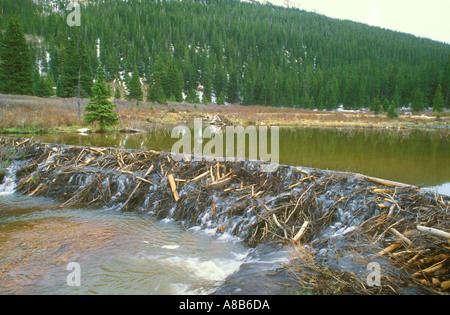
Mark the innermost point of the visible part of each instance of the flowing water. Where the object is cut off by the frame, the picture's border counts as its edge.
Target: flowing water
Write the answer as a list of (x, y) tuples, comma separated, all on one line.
[(133, 253), (118, 252)]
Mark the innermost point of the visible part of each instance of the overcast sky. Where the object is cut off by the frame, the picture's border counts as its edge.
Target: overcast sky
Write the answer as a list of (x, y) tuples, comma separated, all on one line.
[(424, 18)]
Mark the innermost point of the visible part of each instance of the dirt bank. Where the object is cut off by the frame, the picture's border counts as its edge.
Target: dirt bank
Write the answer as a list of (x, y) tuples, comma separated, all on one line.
[(334, 222)]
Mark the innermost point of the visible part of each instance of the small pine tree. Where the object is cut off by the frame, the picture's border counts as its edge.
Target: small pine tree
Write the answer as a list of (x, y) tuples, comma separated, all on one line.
[(134, 86), (220, 99), (392, 111), (117, 94), (100, 109), (417, 104), (438, 100), (15, 61), (155, 91), (385, 105), (376, 105)]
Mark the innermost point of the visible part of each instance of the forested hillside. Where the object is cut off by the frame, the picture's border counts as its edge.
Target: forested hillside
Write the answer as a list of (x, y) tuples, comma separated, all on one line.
[(225, 50)]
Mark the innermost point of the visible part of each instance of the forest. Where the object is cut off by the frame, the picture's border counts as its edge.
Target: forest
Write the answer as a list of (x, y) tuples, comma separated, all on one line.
[(217, 51)]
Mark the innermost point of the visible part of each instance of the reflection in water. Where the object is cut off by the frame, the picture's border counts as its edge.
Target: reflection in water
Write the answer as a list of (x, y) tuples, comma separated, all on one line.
[(414, 157), (118, 252)]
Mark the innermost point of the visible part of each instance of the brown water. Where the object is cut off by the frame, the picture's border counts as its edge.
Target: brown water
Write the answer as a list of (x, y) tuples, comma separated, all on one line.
[(118, 252)]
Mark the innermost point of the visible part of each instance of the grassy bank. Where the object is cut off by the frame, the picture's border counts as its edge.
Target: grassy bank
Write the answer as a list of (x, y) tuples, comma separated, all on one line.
[(27, 114)]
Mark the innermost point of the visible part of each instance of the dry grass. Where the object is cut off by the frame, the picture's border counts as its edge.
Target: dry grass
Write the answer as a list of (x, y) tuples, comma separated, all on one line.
[(32, 114)]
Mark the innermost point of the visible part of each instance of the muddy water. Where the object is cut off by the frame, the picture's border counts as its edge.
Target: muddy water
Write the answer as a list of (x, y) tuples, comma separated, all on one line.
[(414, 157), (118, 252)]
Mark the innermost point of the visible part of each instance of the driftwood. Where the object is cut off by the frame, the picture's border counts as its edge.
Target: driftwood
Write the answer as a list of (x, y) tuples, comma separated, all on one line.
[(434, 231), (173, 187), (300, 233)]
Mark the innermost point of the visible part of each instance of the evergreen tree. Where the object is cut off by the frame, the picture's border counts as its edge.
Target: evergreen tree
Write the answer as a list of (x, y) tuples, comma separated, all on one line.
[(331, 62), (220, 99), (376, 105), (85, 73), (15, 61), (438, 100), (417, 104), (175, 83), (232, 88), (134, 86), (392, 111), (41, 85), (117, 94), (76, 78), (155, 91), (100, 109), (446, 82), (385, 105)]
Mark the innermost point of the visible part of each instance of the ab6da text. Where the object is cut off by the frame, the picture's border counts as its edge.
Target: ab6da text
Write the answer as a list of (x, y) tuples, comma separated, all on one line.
[(227, 305)]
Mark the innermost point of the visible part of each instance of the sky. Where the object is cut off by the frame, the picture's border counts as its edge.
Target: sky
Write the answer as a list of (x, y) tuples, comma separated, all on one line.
[(429, 18)]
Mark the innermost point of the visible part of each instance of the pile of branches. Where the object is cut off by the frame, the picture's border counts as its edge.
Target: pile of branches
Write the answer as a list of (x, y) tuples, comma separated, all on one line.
[(313, 210)]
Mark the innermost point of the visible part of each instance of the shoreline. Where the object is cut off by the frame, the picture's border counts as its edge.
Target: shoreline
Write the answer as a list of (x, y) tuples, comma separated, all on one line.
[(34, 115)]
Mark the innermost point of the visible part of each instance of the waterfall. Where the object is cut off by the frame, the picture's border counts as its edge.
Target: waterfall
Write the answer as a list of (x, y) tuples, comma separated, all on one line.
[(8, 186)]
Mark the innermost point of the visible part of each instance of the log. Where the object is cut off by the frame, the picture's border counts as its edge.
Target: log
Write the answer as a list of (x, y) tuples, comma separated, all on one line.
[(387, 250), (402, 237), (445, 285), (301, 181), (434, 231), (300, 233), (383, 182), (200, 176), (173, 187)]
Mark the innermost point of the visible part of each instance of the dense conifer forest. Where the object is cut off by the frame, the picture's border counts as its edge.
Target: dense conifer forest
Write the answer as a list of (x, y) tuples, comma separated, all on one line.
[(213, 51)]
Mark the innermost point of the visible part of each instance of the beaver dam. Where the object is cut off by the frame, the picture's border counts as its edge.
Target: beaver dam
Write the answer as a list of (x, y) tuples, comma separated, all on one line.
[(346, 233)]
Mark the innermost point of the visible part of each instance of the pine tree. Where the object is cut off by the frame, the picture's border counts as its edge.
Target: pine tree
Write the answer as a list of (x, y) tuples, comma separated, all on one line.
[(155, 91), (77, 75), (438, 100), (232, 88), (100, 109), (385, 105), (417, 104), (134, 86), (392, 111), (220, 99), (117, 94), (446, 82), (15, 61), (376, 105), (85, 73), (175, 83)]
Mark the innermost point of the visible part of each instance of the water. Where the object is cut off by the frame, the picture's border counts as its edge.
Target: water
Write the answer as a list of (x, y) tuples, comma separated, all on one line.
[(414, 157), (118, 252), (133, 253)]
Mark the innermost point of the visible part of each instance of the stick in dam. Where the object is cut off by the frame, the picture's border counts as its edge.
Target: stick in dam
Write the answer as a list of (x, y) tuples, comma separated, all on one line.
[(124, 207), (173, 187)]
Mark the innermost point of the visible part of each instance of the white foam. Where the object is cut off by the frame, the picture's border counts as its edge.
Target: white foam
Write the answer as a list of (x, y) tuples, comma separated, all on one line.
[(213, 270), (8, 186), (170, 246)]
